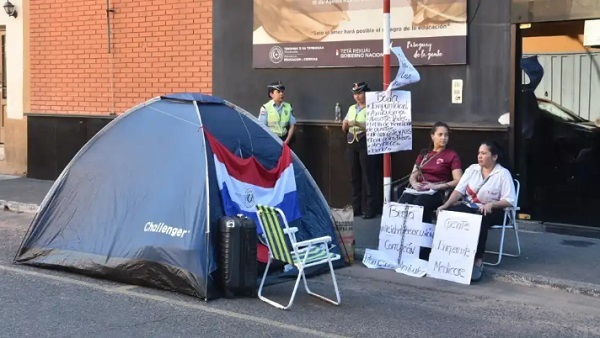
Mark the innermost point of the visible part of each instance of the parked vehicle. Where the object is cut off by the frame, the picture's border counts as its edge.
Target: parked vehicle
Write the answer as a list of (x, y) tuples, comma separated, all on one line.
[(553, 138), (558, 156)]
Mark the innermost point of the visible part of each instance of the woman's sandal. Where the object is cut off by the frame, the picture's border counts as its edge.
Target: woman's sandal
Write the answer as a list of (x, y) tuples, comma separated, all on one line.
[(477, 273)]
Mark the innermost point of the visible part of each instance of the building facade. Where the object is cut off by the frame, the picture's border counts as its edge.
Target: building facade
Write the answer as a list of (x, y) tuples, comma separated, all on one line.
[(315, 91), (89, 63), (84, 63), (14, 99)]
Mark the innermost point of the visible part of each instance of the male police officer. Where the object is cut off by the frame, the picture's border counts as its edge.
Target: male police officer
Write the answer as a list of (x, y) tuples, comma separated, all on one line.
[(277, 114), (363, 167)]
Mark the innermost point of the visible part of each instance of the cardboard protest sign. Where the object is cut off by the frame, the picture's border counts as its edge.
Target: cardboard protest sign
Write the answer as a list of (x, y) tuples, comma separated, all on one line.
[(389, 122), (454, 245), (375, 259), (403, 235)]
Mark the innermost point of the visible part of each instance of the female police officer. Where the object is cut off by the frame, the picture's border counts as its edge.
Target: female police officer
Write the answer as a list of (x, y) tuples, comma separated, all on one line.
[(277, 114), (363, 167)]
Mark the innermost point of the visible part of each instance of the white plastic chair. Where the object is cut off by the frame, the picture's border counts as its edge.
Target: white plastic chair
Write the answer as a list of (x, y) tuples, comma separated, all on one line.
[(302, 254), (510, 222)]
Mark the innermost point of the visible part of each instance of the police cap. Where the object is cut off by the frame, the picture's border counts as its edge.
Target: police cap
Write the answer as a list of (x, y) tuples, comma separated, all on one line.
[(360, 87), (276, 85)]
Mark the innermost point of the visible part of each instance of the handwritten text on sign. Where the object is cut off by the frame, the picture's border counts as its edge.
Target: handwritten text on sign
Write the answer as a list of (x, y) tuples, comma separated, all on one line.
[(454, 245), (407, 73), (389, 122), (375, 259), (403, 220)]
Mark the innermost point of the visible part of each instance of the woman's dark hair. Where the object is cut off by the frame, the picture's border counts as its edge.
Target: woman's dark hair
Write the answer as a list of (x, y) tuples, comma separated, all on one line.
[(432, 132), (437, 125), (494, 149), (503, 160)]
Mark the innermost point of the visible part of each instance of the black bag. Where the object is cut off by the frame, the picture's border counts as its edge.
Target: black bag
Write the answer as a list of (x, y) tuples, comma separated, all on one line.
[(237, 256)]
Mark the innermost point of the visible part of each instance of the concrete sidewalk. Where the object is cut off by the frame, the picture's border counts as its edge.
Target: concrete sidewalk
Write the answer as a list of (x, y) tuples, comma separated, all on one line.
[(565, 260), (552, 256), (22, 194)]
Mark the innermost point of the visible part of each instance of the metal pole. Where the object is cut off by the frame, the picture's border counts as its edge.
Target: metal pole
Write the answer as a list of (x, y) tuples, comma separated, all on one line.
[(387, 158), (110, 56), (108, 11)]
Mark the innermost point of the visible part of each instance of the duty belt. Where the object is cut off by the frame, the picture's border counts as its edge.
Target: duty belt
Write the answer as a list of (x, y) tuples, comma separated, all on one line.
[(351, 138)]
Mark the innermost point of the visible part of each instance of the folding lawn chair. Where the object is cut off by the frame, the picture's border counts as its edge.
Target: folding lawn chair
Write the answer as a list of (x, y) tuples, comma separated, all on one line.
[(302, 254), (510, 222)]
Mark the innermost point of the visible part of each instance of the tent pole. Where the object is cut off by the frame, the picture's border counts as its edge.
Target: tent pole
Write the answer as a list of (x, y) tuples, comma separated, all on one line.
[(207, 232)]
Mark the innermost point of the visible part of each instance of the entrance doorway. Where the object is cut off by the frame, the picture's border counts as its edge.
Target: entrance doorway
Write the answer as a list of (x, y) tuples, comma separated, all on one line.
[(557, 121)]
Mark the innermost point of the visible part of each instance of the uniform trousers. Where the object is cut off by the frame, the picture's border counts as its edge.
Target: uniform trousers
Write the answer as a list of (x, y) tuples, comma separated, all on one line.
[(365, 169)]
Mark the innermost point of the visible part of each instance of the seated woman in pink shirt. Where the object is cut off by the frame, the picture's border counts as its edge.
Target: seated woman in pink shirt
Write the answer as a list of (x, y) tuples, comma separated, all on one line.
[(437, 168)]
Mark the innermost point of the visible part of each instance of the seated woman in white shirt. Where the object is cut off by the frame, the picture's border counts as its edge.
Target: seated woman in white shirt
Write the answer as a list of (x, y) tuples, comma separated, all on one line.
[(487, 188)]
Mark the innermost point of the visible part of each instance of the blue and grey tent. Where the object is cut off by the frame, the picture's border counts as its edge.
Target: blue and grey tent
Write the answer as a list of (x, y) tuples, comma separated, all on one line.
[(140, 204)]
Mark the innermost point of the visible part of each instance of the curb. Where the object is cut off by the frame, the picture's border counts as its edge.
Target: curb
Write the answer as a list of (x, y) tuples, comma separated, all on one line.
[(19, 207), (523, 279), (586, 289)]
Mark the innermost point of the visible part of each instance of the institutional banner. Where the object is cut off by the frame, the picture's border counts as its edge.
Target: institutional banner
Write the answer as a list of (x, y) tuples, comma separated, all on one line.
[(348, 33)]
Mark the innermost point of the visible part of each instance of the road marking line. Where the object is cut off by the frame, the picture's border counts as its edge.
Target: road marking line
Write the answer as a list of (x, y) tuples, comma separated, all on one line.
[(125, 290)]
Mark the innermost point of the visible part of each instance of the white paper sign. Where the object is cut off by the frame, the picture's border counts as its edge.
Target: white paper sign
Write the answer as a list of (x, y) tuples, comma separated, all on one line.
[(375, 259), (407, 73), (389, 122), (411, 264), (454, 245), (417, 235)]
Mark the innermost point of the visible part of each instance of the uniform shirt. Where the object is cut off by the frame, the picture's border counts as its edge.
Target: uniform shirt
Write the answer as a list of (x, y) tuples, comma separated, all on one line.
[(477, 191), (358, 110), (262, 116), (438, 167), (359, 136)]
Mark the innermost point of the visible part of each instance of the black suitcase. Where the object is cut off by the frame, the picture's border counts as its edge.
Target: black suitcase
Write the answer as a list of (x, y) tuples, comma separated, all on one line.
[(237, 258)]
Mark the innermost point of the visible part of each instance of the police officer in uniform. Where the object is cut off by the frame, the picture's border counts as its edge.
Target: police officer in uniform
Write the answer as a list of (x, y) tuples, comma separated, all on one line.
[(363, 166), (277, 114)]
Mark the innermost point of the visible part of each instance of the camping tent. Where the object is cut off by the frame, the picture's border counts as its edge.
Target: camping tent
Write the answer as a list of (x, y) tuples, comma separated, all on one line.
[(140, 202)]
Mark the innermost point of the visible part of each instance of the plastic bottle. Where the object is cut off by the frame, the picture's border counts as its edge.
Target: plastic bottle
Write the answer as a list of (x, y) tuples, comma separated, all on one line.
[(338, 112)]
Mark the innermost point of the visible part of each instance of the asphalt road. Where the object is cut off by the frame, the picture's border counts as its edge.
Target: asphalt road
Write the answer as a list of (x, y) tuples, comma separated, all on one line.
[(44, 303)]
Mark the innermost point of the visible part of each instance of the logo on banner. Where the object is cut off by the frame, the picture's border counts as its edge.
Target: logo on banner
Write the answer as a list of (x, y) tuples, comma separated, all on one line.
[(249, 198), (276, 54)]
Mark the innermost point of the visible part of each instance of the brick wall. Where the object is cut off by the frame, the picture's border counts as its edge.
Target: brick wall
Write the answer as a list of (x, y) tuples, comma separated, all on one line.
[(158, 47)]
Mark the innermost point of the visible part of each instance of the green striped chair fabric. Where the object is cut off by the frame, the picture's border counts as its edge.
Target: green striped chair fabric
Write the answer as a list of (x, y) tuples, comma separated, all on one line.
[(277, 239), (279, 242), (315, 254)]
